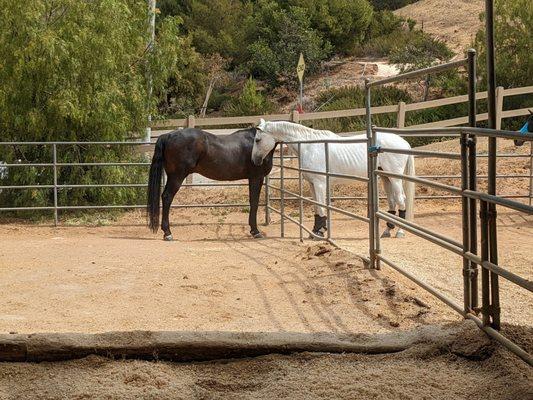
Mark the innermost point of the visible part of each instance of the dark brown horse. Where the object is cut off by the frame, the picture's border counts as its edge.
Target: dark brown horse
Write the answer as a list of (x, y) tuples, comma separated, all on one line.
[(222, 158)]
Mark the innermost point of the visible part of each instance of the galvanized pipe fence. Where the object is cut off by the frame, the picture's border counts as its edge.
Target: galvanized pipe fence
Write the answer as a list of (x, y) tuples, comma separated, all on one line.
[(486, 316), (56, 187)]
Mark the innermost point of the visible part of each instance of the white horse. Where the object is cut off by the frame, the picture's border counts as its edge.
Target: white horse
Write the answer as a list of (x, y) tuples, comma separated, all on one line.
[(346, 159)]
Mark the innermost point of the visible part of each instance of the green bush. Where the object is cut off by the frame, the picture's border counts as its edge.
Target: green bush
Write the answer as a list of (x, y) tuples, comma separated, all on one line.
[(391, 4), (383, 23), (69, 71), (250, 102), (419, 51), (341, 22), (277, 37)]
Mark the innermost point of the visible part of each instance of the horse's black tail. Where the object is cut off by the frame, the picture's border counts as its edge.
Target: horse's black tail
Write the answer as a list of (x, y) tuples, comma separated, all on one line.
[(154, 184)]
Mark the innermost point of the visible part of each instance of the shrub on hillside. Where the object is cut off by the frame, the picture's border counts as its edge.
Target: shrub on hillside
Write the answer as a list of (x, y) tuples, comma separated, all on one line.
[(250, 102), (341, 22), (420, 51), (391, 4), (277, 37)]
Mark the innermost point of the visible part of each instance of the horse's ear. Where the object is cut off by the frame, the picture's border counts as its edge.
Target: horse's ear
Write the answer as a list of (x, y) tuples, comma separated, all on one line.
[(262, 124)]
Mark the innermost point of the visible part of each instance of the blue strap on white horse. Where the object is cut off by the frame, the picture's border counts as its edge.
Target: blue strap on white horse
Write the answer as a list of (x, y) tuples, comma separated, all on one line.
[(524, 130)]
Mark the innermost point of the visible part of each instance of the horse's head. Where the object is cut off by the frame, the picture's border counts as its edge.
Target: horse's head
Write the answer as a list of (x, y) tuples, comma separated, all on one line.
[(527, 128), (264, 143)]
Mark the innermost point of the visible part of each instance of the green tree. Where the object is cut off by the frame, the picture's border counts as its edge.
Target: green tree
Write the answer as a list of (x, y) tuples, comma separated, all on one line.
[(341, 22), (218, 26), (277, 36), (76, 70), (513, 51)]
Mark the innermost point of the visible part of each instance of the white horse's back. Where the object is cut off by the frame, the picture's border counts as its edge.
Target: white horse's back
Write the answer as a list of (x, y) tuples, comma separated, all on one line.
[(351, 158)]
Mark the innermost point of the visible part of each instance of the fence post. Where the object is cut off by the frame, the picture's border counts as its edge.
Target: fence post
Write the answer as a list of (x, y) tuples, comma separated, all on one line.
[(465, 222), (282, 191), (267, 200), (328, 192), (530, 172), (499, 106), (54, 156), (189, 124), (400, 119), (494, 305), (472, 171), (373, 225), (295, 116), (300, 192)]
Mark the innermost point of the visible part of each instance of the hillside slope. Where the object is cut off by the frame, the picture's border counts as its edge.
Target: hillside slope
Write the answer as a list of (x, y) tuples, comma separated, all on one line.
[(456, 22)]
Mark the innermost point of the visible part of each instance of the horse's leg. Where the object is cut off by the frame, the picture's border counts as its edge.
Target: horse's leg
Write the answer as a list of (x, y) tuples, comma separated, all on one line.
[(399, 199), (254, 191), (174, 182), (392, 206), (318, 190)]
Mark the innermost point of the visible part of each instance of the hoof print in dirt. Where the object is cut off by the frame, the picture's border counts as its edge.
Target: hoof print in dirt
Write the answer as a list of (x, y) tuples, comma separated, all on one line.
[(321, 251)]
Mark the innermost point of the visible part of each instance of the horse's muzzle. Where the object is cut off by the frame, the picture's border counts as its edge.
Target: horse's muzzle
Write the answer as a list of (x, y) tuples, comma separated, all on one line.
[(519, 142), (257, 161)]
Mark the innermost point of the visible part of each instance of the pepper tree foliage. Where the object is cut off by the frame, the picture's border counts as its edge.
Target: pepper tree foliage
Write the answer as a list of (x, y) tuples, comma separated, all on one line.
[(513, 38), (76, 70)]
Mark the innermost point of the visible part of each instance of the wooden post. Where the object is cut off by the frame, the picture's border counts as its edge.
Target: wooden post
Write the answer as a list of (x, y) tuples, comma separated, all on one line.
[(295, 116), (189, 124), (400, 120), (499, 106)]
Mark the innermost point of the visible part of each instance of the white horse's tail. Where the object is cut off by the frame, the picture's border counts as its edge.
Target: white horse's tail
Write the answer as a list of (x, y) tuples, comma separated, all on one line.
[(409, 189)]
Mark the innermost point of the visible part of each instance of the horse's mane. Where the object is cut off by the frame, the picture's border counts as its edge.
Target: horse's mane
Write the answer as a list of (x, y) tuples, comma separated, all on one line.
[(301, 131)]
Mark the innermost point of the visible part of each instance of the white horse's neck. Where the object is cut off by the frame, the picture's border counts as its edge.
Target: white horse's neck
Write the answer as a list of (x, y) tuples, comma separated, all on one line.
[(284, 131)]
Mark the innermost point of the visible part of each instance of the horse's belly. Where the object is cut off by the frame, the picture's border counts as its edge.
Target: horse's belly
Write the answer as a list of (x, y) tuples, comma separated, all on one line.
[(221, 172)]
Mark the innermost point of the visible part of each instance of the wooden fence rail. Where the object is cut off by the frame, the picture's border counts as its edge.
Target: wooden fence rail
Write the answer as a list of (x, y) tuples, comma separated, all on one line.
[(400, 109)]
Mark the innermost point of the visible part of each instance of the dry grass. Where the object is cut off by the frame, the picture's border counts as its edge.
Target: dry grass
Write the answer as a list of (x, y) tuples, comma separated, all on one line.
[(456, 22)]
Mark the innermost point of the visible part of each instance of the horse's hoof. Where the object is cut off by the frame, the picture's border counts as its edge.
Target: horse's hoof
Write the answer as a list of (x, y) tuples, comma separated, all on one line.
[(386, 234), (168, 238), (316, 235), (258, 235), (400, 234)]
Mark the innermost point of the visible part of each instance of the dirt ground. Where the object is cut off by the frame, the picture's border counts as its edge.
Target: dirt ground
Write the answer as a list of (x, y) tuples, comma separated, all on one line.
[(122, 277), (426, 371), (213, 277)]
